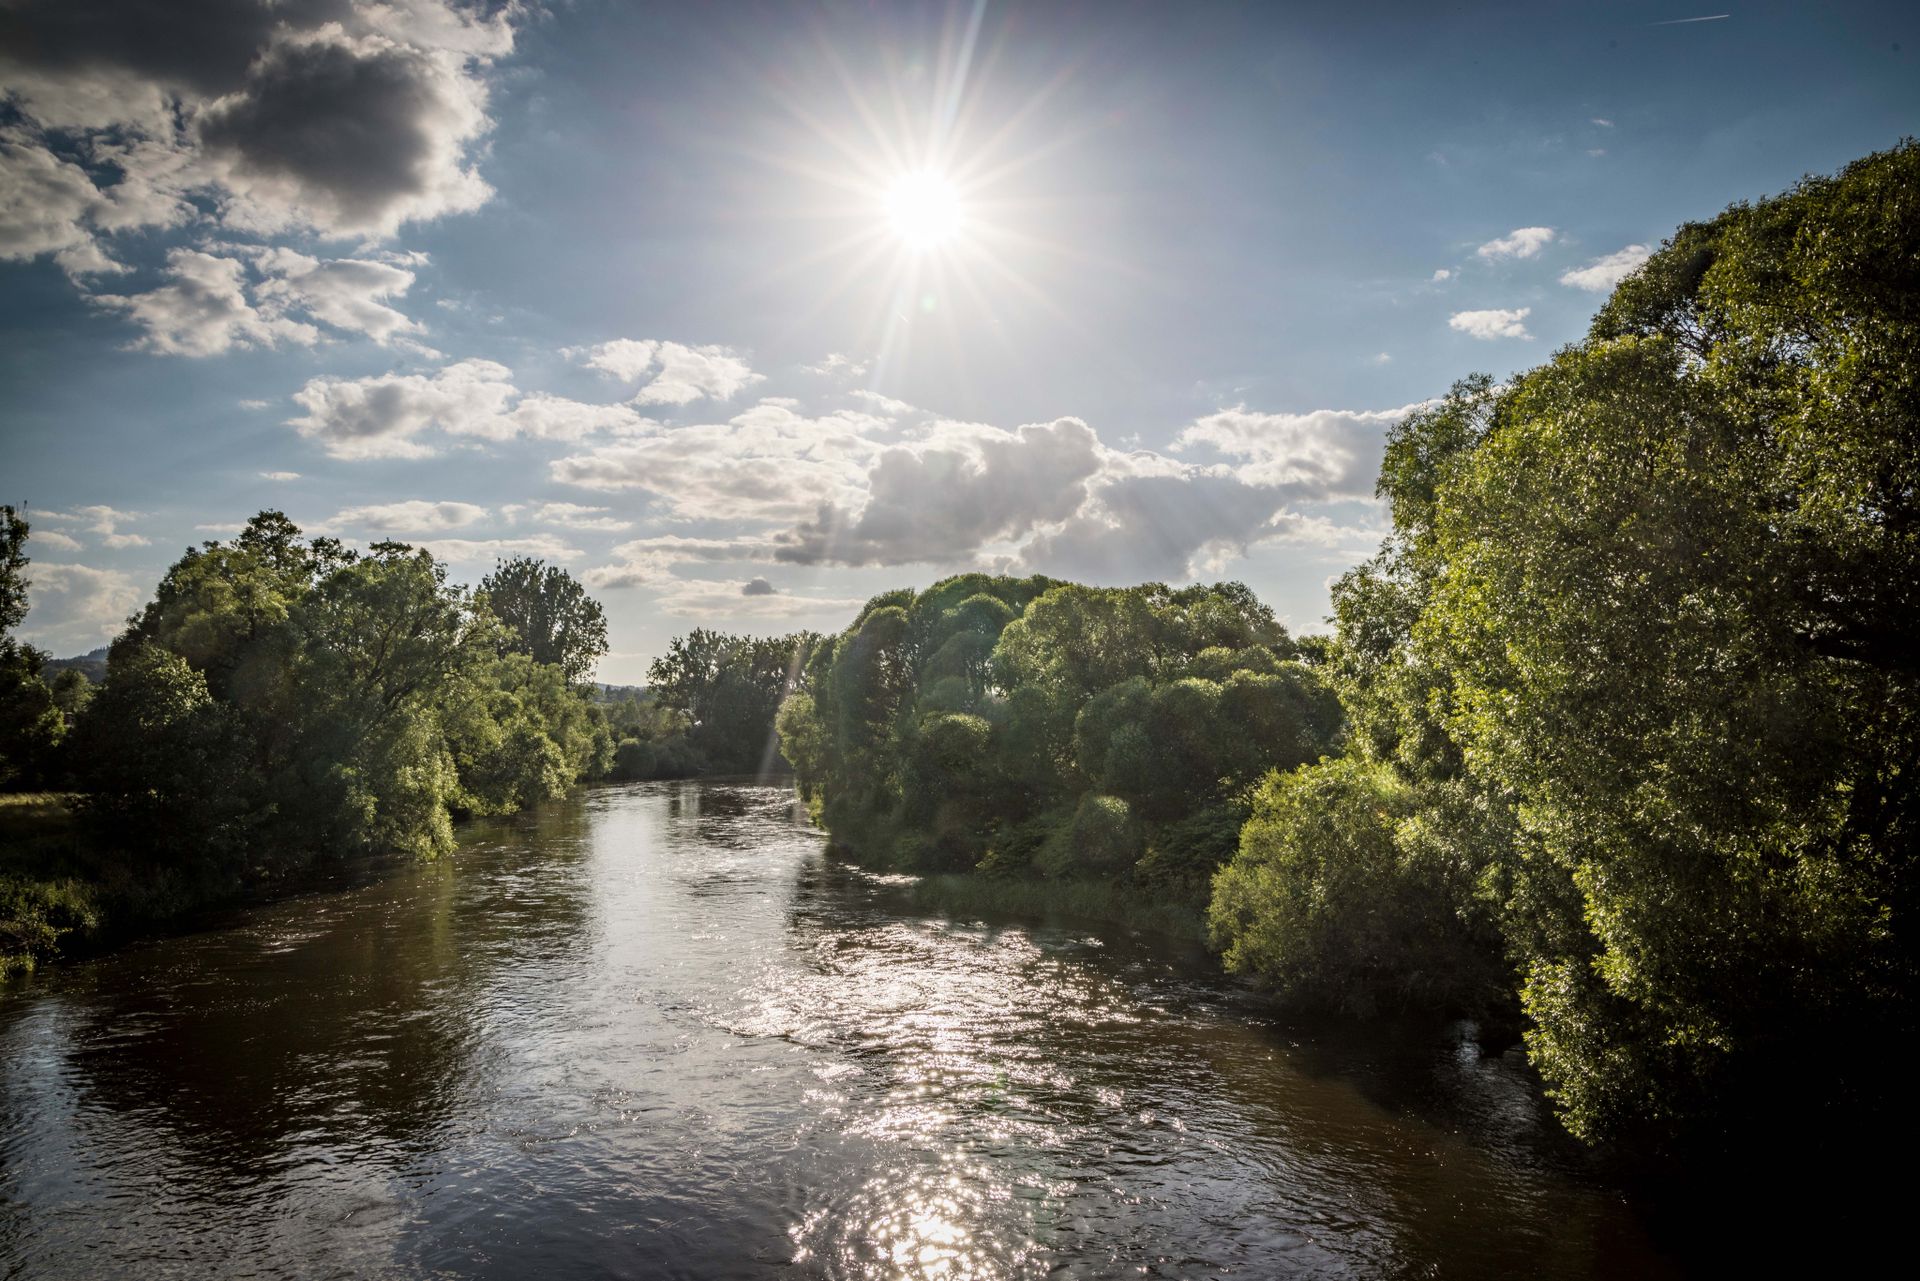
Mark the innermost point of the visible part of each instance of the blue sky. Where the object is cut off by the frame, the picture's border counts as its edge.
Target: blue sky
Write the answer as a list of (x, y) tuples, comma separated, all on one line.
[(618, 285)]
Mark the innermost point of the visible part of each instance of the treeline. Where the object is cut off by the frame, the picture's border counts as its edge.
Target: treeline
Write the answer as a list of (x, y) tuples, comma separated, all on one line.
[(1627, 722), (709, 707), (1020, 727), (283, 702)]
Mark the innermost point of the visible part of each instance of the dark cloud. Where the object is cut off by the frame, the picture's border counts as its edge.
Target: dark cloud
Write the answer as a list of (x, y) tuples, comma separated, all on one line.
[(758, 587), (354, 134), (348, 117), (200, 46)]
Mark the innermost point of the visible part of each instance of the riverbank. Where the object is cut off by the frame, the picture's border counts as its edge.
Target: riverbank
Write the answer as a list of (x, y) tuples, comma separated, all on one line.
[(56, 882)]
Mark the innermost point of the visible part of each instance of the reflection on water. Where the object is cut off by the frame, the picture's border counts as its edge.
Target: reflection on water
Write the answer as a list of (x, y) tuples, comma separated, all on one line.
[(656, 1032)]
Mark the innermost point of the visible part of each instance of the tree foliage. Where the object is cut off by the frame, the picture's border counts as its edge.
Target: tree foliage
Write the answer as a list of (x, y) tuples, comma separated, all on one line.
[(1025, 727), (32, 724), (547, 615), (282, 700), (1634, 680), (721, 695)]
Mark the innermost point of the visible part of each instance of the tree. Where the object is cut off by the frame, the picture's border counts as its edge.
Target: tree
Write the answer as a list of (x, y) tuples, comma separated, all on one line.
[(548, 615), (31, 725)]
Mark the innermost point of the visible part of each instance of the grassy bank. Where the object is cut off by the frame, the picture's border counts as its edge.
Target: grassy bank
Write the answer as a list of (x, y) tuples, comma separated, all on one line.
[(46, 893), (63, 892)]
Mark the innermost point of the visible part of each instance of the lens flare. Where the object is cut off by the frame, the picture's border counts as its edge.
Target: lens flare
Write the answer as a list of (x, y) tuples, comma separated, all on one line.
[(924, 210)]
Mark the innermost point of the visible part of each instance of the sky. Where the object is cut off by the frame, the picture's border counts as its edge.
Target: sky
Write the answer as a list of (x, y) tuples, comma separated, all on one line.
[(743, 313)]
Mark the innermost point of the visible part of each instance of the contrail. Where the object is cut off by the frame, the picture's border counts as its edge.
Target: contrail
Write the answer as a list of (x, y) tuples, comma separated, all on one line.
[(1676, 22)]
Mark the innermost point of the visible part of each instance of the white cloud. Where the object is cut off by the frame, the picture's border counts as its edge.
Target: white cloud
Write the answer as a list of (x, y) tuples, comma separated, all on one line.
[(45, 204), (280, 475), (576, 516), (264, 297), (74, 608), (685, 374), (626, 359), (1602, 122), (1603, 274), (204, 310), (414, 516), (345, 293), (255, 404), (104, 521), (688, 374), (1323, 455), (1382, 358), (1442, 273), (470, 551), (55, 539), (883, 404), (838, 364), (1491, 324), (1047, 497), (767, 463), (384, 416), (1522, 242)]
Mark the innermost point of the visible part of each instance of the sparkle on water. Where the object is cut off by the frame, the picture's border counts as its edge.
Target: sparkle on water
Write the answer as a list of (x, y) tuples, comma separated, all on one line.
[(658, 1032)]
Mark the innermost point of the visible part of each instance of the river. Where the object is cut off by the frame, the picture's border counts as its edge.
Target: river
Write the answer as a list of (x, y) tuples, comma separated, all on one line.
[(658, 1032)]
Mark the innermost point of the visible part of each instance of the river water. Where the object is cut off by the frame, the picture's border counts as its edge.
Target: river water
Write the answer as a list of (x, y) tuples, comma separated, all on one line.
[(658, 1032)]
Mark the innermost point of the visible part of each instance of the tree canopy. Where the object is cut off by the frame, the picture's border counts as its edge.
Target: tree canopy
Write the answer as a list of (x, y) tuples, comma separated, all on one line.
[(1633, 688)]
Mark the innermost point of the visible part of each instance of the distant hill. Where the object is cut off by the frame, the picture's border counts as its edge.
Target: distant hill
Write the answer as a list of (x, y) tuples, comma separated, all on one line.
[(92, 665)]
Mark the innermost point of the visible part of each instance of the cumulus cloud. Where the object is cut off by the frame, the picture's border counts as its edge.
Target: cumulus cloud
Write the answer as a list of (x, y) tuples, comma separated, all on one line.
[(684, 374), (386, 415), (400, 118), (955, 491), (413, 516), (768, 463), (55, 539), (577, 516), (838, 364), (45, 204), (104, 522), (1522, 242), (1152, 520), (758, 587), (1602, 274), (264, 297), (346, 117), (346, 293), (1319, 456), (626, 359), (1491, 324), (1046, 497), (1442, 273), (472, 551), (75, 608), (204, 310)]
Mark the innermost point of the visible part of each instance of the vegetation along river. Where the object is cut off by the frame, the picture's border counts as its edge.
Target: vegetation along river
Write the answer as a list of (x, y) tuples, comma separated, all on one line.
[(657, 1031)]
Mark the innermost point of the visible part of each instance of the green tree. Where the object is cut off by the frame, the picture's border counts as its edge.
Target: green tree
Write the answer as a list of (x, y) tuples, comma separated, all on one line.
[(31, 724), (548, 615)]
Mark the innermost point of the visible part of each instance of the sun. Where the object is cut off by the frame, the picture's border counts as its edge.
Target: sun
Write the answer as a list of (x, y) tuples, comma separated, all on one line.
[(924, 210)]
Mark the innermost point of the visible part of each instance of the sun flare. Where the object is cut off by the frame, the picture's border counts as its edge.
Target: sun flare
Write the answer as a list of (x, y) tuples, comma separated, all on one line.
[(924, 210)]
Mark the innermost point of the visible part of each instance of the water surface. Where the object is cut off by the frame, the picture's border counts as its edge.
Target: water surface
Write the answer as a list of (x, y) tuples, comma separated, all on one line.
[(657, 1032)]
